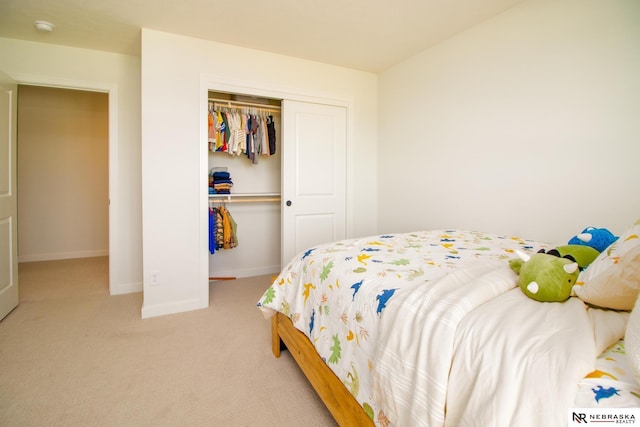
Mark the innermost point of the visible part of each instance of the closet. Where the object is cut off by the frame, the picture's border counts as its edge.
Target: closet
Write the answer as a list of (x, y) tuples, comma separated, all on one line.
[(285, 202), (253, 198)]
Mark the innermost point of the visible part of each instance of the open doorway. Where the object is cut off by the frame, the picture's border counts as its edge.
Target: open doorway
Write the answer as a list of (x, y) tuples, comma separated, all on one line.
[(63, 173)]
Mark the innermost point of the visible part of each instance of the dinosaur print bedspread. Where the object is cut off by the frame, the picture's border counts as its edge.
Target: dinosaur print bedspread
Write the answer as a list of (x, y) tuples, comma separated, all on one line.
[(611, 384), (338, 293)]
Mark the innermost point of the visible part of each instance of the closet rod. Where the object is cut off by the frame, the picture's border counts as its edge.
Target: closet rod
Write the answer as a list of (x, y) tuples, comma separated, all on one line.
[(244, 199), (239, 104)]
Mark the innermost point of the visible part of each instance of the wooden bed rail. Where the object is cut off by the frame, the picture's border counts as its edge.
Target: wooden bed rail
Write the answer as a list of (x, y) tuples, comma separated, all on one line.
[(344, 408)]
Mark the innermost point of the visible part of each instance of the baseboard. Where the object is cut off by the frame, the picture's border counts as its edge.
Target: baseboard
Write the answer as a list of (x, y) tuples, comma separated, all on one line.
[(172, 308), (245, 272), (126, 288), (63, 255)]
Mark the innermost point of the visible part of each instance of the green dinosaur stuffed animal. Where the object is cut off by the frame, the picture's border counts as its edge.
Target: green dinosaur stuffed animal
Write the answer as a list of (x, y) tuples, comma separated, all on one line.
[(582, 254), (548, 276), (544, 277)]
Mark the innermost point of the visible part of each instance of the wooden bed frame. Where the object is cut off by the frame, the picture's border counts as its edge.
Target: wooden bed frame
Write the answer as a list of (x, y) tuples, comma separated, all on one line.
[(343, 406)]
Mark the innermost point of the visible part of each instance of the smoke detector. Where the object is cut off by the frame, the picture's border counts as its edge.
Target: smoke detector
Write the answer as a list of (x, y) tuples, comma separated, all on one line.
[(44, 26)]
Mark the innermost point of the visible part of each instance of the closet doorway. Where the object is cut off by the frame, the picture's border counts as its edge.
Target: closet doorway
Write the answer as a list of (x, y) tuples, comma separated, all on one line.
[(63, 173), (312, 172)]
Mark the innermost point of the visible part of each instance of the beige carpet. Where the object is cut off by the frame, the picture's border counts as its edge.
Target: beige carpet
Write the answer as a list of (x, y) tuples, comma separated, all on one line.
[(71, 355)]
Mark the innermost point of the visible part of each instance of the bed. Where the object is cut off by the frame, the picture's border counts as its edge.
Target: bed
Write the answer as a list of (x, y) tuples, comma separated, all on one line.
[(429, 328)]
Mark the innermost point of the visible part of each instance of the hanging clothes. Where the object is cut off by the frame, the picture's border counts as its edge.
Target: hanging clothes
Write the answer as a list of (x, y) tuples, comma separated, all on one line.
[(271, 135), (220, 132), (222, 229), (212, 231), (230, 239), (264, 143), (257, 137), (211, 128), (241, 133)]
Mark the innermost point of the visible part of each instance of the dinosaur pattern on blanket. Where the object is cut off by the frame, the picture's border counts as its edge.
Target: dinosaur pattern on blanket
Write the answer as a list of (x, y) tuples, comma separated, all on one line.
[(611, 383), (337, 293)]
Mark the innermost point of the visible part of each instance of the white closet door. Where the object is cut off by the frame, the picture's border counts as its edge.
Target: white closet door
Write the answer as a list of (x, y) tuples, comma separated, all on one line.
[(313, 175), (8, 200)]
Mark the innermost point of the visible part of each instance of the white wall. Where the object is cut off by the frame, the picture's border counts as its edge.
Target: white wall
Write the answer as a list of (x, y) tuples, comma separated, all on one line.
[(527, 124), (38, 62), (63, 173), (173, 68)]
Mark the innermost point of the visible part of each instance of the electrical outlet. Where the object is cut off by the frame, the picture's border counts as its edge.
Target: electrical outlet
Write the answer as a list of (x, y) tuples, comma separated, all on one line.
[(154, 278)]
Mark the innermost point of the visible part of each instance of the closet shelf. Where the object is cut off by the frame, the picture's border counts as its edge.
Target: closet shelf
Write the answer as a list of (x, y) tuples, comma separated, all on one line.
[(248, 107), (245, 197)]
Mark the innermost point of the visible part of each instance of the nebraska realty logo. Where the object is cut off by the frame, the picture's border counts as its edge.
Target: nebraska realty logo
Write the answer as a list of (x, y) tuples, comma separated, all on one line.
[(603, 416)]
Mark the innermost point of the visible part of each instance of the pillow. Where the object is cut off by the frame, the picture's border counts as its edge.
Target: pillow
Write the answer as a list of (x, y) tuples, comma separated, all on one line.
[(632, 341), (609, 326), (613, 279)]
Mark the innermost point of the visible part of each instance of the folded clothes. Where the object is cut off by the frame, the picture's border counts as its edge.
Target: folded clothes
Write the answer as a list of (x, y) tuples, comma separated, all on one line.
[(220, 182), (221, 175)]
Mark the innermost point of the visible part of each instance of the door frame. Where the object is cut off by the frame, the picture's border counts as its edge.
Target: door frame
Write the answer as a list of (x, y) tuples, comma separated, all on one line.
[(112, 90), (217, 83)]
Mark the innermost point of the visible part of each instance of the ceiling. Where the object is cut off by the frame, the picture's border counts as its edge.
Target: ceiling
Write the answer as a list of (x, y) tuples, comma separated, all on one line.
[(367, 35)]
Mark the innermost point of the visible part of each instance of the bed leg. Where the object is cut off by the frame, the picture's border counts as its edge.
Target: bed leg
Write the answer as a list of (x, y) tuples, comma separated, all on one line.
[(276, 342)]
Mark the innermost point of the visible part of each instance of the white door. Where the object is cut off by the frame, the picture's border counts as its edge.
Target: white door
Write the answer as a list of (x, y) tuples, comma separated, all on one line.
[(313, 175), (8, 202)]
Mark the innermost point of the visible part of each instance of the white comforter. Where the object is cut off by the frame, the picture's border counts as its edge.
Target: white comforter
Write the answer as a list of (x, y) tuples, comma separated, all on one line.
[(538, 354), (486, 355)]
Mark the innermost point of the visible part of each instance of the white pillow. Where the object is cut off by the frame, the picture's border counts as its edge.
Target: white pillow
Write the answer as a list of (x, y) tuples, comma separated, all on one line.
[(608, 326), (632, 341), (612, 280)]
